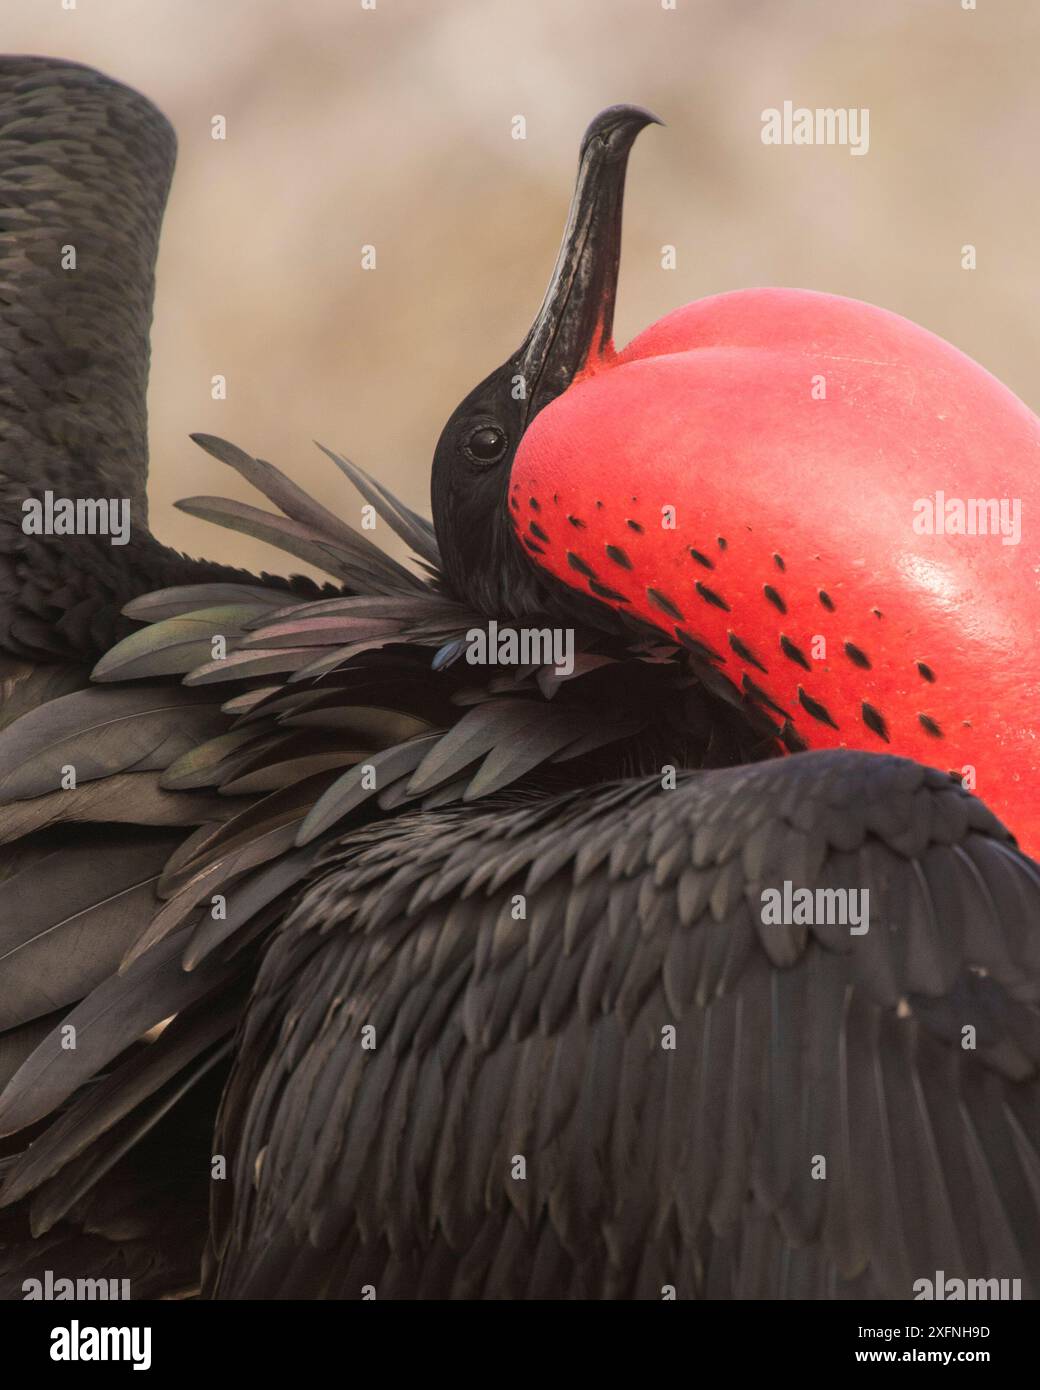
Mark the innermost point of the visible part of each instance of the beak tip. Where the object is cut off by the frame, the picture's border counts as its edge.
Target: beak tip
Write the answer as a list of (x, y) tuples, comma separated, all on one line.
[(616, 127)]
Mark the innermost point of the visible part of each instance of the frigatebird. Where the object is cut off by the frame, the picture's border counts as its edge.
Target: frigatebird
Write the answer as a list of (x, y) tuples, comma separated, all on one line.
[(335, 962)]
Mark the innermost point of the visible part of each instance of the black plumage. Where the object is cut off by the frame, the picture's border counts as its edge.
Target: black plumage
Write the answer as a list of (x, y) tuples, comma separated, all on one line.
[(520, 880), (541, 1036)]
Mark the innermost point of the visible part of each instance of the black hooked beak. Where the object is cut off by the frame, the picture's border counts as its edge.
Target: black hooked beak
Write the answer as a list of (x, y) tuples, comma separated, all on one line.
[(483, 561), (576, 320)]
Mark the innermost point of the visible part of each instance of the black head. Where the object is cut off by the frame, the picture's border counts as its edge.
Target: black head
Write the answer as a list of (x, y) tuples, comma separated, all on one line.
[(484, 563)]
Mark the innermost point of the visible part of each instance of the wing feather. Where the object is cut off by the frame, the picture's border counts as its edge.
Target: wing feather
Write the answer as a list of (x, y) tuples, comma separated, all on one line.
[(694, 1102)]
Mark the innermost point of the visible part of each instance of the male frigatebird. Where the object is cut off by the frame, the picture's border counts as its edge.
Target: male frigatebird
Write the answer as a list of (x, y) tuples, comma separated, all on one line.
[(476, 960)]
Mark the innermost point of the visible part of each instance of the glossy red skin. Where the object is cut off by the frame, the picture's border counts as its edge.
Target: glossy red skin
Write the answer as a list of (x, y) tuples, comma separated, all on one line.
[(711, 411)]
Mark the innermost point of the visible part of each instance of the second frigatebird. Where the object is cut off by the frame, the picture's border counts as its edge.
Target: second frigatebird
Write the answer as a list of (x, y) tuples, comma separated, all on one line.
[(480, 959)]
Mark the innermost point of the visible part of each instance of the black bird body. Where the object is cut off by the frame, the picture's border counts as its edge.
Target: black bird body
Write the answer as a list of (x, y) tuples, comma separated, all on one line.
[(466, 966), (545, 1037)]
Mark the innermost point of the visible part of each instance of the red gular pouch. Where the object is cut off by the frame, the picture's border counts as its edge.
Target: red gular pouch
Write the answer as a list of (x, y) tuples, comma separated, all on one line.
[(838, 503)]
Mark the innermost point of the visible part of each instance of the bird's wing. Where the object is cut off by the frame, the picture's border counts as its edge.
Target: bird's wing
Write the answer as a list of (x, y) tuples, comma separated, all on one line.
[(556, 1049), (86, 818), (145, 1223), (129, 809), (85, 167)]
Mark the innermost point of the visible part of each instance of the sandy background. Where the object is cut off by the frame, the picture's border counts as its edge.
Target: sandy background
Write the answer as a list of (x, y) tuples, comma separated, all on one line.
[(392, 127)]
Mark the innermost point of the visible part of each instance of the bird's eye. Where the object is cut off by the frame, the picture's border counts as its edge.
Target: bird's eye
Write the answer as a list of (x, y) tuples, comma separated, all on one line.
[(486, 444)]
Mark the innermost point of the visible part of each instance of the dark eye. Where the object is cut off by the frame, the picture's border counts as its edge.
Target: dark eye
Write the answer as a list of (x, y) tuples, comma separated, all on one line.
[(486, 444)]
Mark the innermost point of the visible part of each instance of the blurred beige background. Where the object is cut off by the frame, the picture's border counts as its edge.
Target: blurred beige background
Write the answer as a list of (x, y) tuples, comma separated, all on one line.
[(392, 126)]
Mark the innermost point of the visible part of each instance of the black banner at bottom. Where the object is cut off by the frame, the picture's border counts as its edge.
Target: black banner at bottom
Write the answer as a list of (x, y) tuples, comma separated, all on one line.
[(178, 1339)]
